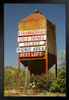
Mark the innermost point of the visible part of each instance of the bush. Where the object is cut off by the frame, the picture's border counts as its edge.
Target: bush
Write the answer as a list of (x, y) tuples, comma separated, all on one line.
[(40, 82), (60, 84)]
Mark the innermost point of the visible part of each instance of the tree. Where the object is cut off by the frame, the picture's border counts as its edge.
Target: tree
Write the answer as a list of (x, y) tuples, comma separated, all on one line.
[(10, 77), (62, 60), (59, 85)]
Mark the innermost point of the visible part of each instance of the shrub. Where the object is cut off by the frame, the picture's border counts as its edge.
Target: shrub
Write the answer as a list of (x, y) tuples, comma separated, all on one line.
[(62, 74), (40, 82), (11, 78), (60, 84)]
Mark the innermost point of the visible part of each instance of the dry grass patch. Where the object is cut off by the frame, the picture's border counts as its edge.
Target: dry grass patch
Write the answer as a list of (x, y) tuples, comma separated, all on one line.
[(31, 93)]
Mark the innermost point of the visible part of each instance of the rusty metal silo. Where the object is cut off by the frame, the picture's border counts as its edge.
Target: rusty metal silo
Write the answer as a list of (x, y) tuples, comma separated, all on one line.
[(33, 27)]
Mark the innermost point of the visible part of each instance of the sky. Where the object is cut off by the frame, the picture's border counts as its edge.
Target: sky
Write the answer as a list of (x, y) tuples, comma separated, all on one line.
[(13, 13)]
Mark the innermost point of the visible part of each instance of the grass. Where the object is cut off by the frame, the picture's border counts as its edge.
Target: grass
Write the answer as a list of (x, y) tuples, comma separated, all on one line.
[(31, 93)]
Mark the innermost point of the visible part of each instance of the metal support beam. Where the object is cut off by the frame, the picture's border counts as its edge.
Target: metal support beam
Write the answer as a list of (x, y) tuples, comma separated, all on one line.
[(46, 63)]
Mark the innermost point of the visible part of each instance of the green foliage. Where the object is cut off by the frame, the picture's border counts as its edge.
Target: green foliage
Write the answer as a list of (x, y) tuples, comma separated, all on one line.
[(52, 74), (62, 74), (59, 84), (62, 60), (40, 82), (11, 78)]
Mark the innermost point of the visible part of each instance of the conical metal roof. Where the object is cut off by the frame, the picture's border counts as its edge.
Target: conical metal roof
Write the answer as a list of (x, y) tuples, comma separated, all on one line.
[(34, 16)]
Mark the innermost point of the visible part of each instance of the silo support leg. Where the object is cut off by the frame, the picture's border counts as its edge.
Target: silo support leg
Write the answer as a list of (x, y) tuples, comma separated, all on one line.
[(18, 74), (46, 68), (47, 64)]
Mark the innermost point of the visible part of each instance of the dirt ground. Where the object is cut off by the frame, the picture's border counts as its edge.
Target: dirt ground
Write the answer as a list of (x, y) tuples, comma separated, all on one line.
[(31, 93)]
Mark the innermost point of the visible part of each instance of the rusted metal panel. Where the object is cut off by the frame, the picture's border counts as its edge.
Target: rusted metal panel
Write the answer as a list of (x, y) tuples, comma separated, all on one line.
[(30, 54), (52, 60), (32, 25), (51, 57), (39, 64), (51, 38), (35, 58)]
